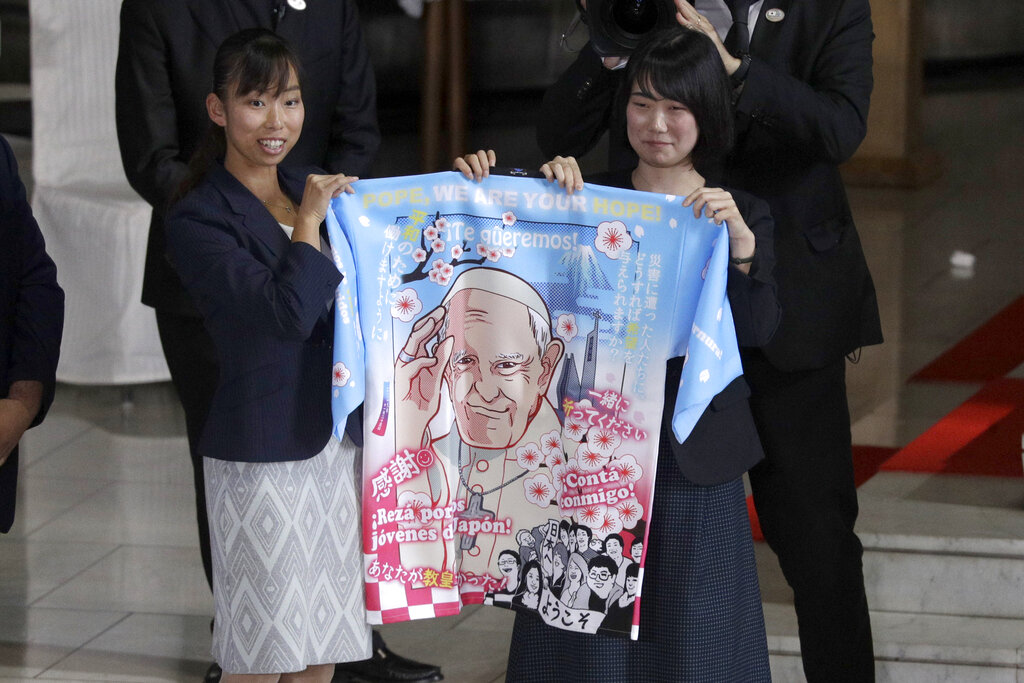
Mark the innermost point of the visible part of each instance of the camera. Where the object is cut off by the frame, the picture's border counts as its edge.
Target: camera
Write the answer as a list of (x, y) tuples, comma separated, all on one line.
[(616, 26)]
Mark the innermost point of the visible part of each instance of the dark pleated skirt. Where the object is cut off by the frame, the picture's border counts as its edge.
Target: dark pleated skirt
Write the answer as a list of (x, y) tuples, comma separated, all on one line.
[(700, 609)]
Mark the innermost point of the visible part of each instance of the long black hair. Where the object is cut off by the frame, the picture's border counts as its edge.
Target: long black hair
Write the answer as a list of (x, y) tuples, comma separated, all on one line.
[(252, 60), (684, 65)]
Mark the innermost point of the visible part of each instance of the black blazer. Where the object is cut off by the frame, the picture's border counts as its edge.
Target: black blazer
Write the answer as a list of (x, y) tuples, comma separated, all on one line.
[(802, 111), (264, 301), (31, 311), (165, 70), (724, 443)]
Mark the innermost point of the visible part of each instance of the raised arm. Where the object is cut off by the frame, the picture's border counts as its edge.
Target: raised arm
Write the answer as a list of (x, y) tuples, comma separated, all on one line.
[(577, 108), (823, 113)]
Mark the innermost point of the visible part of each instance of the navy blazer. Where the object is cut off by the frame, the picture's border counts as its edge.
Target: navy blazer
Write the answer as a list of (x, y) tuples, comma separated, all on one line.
[(165, 70), (264, 300), (31, 311), (802, 111), (724, 443)]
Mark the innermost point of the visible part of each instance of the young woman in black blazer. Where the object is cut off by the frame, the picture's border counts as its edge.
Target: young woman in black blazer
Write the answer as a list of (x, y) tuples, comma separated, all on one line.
[(700, 610)]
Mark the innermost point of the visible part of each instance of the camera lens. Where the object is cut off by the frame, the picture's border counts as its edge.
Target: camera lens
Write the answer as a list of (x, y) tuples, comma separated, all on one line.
[(634, 16)]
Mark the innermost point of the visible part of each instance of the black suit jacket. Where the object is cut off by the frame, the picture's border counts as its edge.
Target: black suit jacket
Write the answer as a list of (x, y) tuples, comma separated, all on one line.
[(724, 443), (165, 71), (802, 111), (31, 310), (264, 301)]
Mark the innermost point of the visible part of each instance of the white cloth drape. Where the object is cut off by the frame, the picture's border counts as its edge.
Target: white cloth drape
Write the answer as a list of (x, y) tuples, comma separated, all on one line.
[(94, 224)]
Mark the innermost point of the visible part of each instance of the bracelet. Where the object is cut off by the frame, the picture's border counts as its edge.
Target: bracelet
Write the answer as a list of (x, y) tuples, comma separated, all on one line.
[(741, 261), (740, 75)]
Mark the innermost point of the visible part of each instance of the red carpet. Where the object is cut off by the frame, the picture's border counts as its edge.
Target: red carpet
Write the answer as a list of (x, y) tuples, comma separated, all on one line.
[(988, 353), (980, 437), (985, 435)]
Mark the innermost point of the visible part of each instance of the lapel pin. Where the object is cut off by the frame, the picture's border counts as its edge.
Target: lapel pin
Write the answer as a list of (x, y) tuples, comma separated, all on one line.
[(774, 14), (297, 4)]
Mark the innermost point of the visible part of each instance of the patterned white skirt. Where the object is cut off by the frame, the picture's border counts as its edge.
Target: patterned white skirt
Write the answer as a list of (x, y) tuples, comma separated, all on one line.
[(287, 562)]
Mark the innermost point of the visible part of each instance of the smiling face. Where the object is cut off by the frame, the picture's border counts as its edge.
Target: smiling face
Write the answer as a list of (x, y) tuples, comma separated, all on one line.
[(635, 551), (497, 375), (260, 127), (600, 581), (662, 132), (533, 580), (508, 565), (574, 572), (613, 547)]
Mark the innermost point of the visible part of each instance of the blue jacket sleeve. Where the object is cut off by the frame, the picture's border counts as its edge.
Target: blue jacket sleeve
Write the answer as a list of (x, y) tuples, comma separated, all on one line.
[(38, 316)]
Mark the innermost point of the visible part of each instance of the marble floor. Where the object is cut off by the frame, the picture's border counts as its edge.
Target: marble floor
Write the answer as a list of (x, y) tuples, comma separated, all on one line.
[(101, 579)]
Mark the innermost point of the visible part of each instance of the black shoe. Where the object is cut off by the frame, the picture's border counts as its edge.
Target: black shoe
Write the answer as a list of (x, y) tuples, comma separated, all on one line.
[(386, 667), (212, 674)]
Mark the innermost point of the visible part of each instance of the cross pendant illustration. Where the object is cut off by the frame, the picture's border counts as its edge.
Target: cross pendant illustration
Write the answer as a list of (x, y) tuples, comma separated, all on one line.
[(474, 510)]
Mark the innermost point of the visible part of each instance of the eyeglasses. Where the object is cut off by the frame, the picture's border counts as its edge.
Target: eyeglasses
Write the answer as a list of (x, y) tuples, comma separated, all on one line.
[(600, 574)]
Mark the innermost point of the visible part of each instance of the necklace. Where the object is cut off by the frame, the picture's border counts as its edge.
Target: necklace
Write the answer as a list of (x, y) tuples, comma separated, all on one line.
[(475, 506), (286, 207), (465, 482)]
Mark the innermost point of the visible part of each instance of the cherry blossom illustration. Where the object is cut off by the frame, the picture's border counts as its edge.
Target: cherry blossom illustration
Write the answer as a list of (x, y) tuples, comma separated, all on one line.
[(566, 326), (441, 272), (482, 249), (529, 457), (592, 515), (406, 305), (552, 441), (574, 429), (629, 512), (559, 473), (590, 459), (605, 441), (539, 489), (417, 502), (508, 218), (555, 457), (493, 254), (508, 252), (432, 241), (627, 468), (610, 524), (612, 239), (340, 375)]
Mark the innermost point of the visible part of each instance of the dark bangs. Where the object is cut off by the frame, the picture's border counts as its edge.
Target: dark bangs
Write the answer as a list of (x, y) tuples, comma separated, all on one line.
[(254, 60), (683, 65)]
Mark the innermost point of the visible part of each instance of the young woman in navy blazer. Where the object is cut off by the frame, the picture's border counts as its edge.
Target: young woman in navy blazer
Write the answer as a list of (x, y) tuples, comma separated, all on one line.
[(700, 609), (248, 243)]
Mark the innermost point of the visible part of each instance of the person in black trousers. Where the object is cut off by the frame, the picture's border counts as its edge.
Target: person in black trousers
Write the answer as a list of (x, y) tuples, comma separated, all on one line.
[(163, 75), (801, 76), (31, 324)]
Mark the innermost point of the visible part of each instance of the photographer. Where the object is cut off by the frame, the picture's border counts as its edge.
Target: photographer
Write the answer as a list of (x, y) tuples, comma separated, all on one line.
[(801, 77)]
